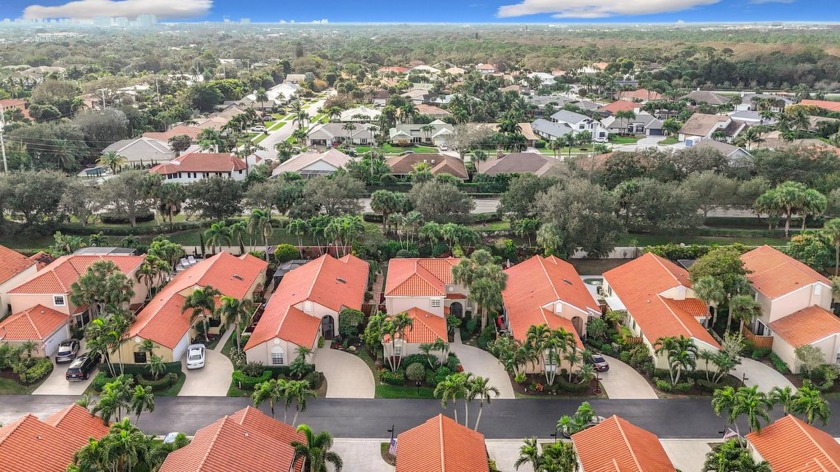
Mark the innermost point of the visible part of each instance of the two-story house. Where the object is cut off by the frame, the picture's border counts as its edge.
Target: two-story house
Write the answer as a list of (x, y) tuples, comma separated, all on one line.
[(15, 268), (658, 298), (546, 291), (795, 305), (701, 126), (426, 284), (306, 306), (580, 123)]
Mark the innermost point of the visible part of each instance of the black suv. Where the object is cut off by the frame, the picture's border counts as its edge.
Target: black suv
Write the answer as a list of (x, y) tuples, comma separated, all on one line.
[(81, 367)]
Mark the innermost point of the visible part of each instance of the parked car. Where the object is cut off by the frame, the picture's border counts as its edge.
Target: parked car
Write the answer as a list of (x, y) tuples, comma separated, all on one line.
[(600, 363), (67, 351), (195, 356), (82, 367), (258, 129)]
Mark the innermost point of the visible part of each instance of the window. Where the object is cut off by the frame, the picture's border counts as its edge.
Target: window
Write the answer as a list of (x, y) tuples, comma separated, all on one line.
[(277, 358), (436, 303), (58, 300), (140, 357), (398, 350)]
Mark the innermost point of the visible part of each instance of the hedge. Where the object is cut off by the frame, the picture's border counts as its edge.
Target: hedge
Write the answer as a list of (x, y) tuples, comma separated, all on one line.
[(393, 378), (246, 382), (37, 371), (135, 369), (162, 383), (421, 359), (572, 387), (122, 219), (79, 230)]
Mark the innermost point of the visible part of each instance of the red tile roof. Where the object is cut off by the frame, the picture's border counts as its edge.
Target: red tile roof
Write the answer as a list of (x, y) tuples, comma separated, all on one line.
[(181, 130), (29, 444), (824, 104), (427, 327), (791, 444), (629, 448), (12, 263), (619, 105), (247, 440), (419, 277), (441, 445), (639, 285), (66, 270), (36, 323), (161, 319), (440, 164), (329, 282), (774, 273), (806, 326), (395, 69), (541, 281), (200, 162)]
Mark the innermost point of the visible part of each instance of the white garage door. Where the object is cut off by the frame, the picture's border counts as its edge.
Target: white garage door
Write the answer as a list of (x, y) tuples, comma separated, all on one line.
[(52, 342), (181, 347)]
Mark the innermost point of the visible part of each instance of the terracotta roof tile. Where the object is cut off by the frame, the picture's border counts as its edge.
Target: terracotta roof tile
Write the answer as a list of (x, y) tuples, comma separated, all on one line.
[(630, 448), (806, 326), (200, 162), (191, 131), (440, 163), (161, 319), (791, 444), (774, 273), (227, 445), (639, 285), (12, 263), (619, 105), (419, 277), (824, 104), (427, 327), (329, 282), (66, 270), (441, 445), (36, 323), (78, 420)]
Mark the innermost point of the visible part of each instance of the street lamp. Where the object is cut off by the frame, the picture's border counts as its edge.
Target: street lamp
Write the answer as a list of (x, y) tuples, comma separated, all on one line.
[(418, 383), (392, 433), (554, 435)]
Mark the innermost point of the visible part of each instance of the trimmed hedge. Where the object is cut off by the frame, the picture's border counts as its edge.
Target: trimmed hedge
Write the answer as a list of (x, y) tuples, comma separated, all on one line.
[(37, 371), (135, 369), (122, 219), (779, 364), (393, 378), (572, 387), (162, 383), (246, 382)]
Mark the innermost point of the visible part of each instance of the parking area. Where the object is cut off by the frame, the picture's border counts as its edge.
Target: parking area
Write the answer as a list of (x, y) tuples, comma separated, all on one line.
[(212, 380), (56, 384)]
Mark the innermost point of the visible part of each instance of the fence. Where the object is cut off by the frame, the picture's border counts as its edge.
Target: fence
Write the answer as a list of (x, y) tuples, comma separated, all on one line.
[(761, 342)]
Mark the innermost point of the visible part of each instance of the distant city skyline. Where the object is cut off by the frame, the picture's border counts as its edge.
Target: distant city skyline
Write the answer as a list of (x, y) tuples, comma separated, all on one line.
[(437, 11)]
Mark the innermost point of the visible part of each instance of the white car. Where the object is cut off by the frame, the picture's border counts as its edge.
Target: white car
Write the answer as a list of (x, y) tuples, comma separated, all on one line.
[(258, 129), (195, 356)]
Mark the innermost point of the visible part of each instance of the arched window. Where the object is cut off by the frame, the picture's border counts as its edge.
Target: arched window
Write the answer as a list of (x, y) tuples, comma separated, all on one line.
[(278, 355)]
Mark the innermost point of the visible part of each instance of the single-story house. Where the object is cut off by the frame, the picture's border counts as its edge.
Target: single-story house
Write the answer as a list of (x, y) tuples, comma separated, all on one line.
[(424, 283), (15, 268), (659, 304), (550, 130), (517, 163), (436, 133), (278, 95), (16, 104), (641, 95), (750, 101), (701, 126), (486, 69), (432, 111), (161, 320), (194, 166), (179, 130), (401, 166), (43, 325), (709, 98), (792, 444), (142, 150), (334, 134), (441, 444), (630, 448), (426, 329), (392, 70), (824, 104), (643, 124), (305, 306), (359, 114), (618, 106), (734, 154), (295, 78), (314, 163), (455, 71)]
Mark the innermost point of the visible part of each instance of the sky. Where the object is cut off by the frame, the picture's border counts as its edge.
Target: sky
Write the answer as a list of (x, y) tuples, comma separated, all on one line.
[(437, 11)]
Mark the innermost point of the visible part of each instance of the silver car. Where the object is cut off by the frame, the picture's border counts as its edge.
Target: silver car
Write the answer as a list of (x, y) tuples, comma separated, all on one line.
[(67, 351), (195, 356)]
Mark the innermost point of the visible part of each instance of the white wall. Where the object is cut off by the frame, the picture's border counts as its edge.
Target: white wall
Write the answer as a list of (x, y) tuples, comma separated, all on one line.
[(810, 295), (394, 305), (190, 177), (262, 352)]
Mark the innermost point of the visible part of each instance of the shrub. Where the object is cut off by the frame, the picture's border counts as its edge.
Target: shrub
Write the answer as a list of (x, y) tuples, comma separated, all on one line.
[(683, 387), (37, 371), (253, 369), (247, 382), (760, 353), (99, 381), (452, 362), (415, 372), (122, 219), (419, 358), (572, 387), (162, 383), (779, 364), (134, 369), (663, 385), (472, 325), (393, 378), (625, 357), (349, 321), (315, 379), (286, 252), (487, 334), (320, 341), (441, 374)]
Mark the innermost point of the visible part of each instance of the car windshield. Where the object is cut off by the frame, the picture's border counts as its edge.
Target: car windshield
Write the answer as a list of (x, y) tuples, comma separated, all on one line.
[(195, 355), (598, 359)]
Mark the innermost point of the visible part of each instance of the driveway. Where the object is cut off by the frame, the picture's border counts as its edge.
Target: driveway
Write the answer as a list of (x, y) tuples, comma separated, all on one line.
[(347, 375), (56, 384), (285, 131), (624, 382), (760, 374), (362, 454), (484, 364), (212, 380)]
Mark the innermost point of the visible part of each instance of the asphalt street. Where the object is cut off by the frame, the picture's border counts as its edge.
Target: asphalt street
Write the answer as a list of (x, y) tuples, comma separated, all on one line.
[(350, 418)]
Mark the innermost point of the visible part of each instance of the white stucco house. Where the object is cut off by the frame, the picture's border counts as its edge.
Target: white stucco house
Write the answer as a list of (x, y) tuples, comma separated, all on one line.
[(196, 166)]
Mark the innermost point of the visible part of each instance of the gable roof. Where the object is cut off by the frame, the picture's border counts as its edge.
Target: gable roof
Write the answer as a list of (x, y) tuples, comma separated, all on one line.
[(200, 162), (419, 277), (36, 323), (700, 124), (329, 282), (806, 326), (28, 443), (550, 128), (191, 131), (724, 148), (59, 275), (639, 283), (12, 263), (630, 448), (703, 96), (774, 273), (619, 105), (161, 319), (427, 327), (824, 104), (440, 163), (431, 110), (246, 440), (540, 281), (791, 444), (517, 163), (142, 148), (78, 420), (333, 157), (565, 116), (442, 445)]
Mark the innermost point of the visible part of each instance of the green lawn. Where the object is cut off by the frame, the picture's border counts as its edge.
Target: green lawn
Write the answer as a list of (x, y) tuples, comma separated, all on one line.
[(657, 239), (260, 138), (390, 149), (392, 391), (615, 139), (175, 388), (10, 387), (565, 151), (668, 141)]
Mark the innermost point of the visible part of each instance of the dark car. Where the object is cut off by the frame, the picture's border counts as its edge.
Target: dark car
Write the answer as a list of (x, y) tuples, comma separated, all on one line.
[(82, 367), (67, 351), (600, 363)]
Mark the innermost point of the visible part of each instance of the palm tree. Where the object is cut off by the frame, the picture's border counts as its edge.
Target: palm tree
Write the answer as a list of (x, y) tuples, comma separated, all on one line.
[(681, 354), (142, 399), (752, 403), (111, 160), (711, 291), (261, 96), (808, 401), (450, 388), (743, 308), (237, 232), (831, 230), (210, 139), (479, 388), (787, 199), (297, 391), (784, 396), (316, 451), (272, 391), (217, 235), (395, 327), (202, 302), (732, 456), (234, 310), (259, 223), (484, 279), (299, 228), (299, 114), (529, 453), (351, 128)]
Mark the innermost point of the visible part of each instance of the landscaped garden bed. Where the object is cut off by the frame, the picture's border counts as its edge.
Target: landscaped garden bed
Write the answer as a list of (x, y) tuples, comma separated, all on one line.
[(20, 371)]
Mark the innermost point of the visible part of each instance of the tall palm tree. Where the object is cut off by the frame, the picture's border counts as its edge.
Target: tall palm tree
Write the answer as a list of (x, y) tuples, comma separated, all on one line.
[(681, 353), (396, 327), (744, 309), (142, 399), (711, 291), (261, 96), (746, 401), (484, 279), (210, 139), (450, 388), (315, 452), (272, 391), (479, 388), (297, 392), (299, 228), (217, 235), (259, 223), (202, 302), (529, 453), (234, 310), (808, 401), (237, 232), (784, 396), (112, 160), (813, 204), (299, 114)]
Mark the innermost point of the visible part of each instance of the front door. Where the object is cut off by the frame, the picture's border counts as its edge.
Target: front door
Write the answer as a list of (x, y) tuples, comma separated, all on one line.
[(327, 327), (456, 310)]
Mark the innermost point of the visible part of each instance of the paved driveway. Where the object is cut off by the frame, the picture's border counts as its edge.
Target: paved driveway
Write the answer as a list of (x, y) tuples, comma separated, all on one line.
[(760, 374), (347, 375), (362, 454), (213, 380), (56, 384), (624, 382), (484, 364)]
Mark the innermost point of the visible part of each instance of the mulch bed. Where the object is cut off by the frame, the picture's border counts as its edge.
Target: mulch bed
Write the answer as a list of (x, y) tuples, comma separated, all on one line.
[(540, 379)]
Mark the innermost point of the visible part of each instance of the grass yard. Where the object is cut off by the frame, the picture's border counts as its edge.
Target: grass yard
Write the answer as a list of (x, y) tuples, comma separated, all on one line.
[(657, 239), (175, 388), (393, 391), (260, 138), (10, 387), (669, 141), (615, 139)]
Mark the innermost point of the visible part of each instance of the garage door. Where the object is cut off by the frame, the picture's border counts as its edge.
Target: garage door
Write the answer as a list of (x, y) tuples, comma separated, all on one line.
[(52, 342), (181, 347)]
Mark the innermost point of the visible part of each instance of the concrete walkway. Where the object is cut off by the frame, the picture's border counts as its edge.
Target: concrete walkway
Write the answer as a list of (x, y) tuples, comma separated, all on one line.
[(362, 454), (213, 380), (505, 452), (483, 364), (624, 382), (347, 375), (760, 374)]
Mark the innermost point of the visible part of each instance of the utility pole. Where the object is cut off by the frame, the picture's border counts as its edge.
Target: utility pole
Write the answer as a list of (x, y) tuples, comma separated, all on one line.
[(2, 138)]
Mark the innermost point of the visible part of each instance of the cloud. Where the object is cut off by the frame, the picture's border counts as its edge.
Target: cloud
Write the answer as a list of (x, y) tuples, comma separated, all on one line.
[(87, 9), (598, 8)]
